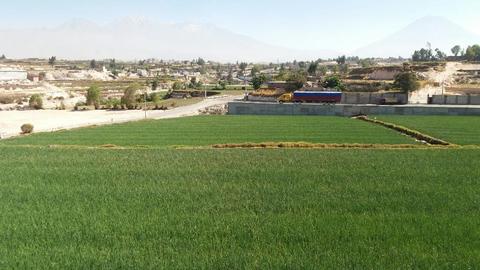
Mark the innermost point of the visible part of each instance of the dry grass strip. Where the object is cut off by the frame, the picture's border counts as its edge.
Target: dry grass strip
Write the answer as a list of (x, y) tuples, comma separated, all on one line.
[(410, 132)]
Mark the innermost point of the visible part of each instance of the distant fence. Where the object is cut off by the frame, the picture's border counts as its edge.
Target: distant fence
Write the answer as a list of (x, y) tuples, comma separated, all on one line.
[(455, 100), (372, 98), (258, 108), (352, 98)]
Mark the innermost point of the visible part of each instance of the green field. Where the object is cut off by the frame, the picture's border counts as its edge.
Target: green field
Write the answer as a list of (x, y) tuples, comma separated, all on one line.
[(232, 209), (158, 207), (208, 130), (463, 130)]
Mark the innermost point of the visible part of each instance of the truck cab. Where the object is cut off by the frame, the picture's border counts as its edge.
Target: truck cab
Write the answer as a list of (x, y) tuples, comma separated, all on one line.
[(285, 98)]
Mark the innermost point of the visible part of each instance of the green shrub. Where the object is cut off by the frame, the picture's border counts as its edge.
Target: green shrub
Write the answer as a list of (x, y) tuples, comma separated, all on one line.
[(7, 99), (129, 98), (333, 82), (407, 82), (79, 104), (156, 97), (26, 128), (36, 102), (93, 96), (113, 104)]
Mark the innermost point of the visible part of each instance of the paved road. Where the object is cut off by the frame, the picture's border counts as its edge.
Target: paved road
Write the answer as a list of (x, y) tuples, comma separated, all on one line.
[(54, 120)]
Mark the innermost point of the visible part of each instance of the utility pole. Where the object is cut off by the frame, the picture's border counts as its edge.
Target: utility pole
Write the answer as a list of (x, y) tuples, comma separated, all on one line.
[(443, 84), (145, 103), (205, 89), (245, 85)]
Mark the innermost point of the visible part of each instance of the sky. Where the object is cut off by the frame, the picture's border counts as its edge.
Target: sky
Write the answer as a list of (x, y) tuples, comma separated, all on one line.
[(297, 24)]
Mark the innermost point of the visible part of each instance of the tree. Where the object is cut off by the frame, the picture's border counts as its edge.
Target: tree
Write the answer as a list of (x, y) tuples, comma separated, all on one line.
[(230, 76), (282, 73), (341, 60), (52, 60), (155, 83), (323, 70), (193, 82), (333, 82), (243, 66), (3, 57), (456, 50), (255, 70), (423, 55), (258, 81), (312, 68), (200, 62), (407, 82), (223, 85), (36, 102), (112, 64), (439, 55), (296, 80), (473, 53), (130, 96), (367, 62), (177, 86), (93, 96), (93, 64)]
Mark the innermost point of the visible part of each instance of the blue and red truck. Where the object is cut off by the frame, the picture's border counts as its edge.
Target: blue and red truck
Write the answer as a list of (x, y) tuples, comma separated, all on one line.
[(312, 97)]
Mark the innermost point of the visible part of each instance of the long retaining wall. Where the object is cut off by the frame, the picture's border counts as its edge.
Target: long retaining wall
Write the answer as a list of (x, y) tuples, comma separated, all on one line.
[(456, 100), (258, 108), (372, 98)]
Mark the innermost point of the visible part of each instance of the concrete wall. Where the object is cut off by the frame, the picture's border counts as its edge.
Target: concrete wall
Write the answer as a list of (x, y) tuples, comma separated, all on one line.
[(255, 108), (262, 99), (456, 100), (381, 74), (371, 98)]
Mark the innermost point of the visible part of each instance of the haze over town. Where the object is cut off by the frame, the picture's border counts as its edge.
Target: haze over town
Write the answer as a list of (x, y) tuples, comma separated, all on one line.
[(228, 31)]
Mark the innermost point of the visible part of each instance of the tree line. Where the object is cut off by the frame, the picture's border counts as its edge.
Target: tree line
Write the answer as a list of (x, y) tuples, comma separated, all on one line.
[(471, 53)]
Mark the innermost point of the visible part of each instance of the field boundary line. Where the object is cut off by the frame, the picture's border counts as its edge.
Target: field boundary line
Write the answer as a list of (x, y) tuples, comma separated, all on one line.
[(417, 135), (306, 145), (266, 145)]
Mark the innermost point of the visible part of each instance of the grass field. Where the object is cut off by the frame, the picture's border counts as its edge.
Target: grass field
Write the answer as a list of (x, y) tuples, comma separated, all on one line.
[(224, 129), (157, 208), (237, 209), (463, 130)]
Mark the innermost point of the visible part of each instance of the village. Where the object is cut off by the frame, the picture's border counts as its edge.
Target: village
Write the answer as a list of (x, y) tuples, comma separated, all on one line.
[(63, 84)]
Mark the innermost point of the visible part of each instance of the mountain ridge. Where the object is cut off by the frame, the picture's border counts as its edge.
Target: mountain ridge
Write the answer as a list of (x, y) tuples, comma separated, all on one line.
[(130, 39), (440, 32)]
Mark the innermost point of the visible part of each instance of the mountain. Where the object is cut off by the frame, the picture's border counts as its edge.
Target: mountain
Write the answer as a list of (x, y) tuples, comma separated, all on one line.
[(439, 31), (137, 38)]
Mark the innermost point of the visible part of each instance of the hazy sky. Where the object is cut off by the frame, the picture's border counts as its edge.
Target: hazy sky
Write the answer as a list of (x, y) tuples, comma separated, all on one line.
[(301, 24)]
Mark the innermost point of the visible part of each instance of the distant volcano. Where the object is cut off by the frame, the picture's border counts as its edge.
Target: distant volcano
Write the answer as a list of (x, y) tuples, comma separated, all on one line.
[(438, 31), (137, 38)]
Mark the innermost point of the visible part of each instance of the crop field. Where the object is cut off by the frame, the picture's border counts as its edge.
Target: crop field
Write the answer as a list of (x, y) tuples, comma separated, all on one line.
[(208, 130), (463, 130), (230, 209), (157, 207)]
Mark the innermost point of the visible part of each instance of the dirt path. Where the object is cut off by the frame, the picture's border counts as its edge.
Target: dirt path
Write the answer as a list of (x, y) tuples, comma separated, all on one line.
[(53, 120), (443, 79)]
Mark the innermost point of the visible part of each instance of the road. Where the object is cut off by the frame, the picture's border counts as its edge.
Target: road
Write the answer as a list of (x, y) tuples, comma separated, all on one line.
[(54, 120)]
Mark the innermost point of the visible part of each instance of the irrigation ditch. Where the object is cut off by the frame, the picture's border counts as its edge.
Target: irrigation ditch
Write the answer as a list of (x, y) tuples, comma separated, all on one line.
[(417, 135)]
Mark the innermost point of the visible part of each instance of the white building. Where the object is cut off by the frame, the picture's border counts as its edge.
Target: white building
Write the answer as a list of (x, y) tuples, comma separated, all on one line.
[(10, 74)]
